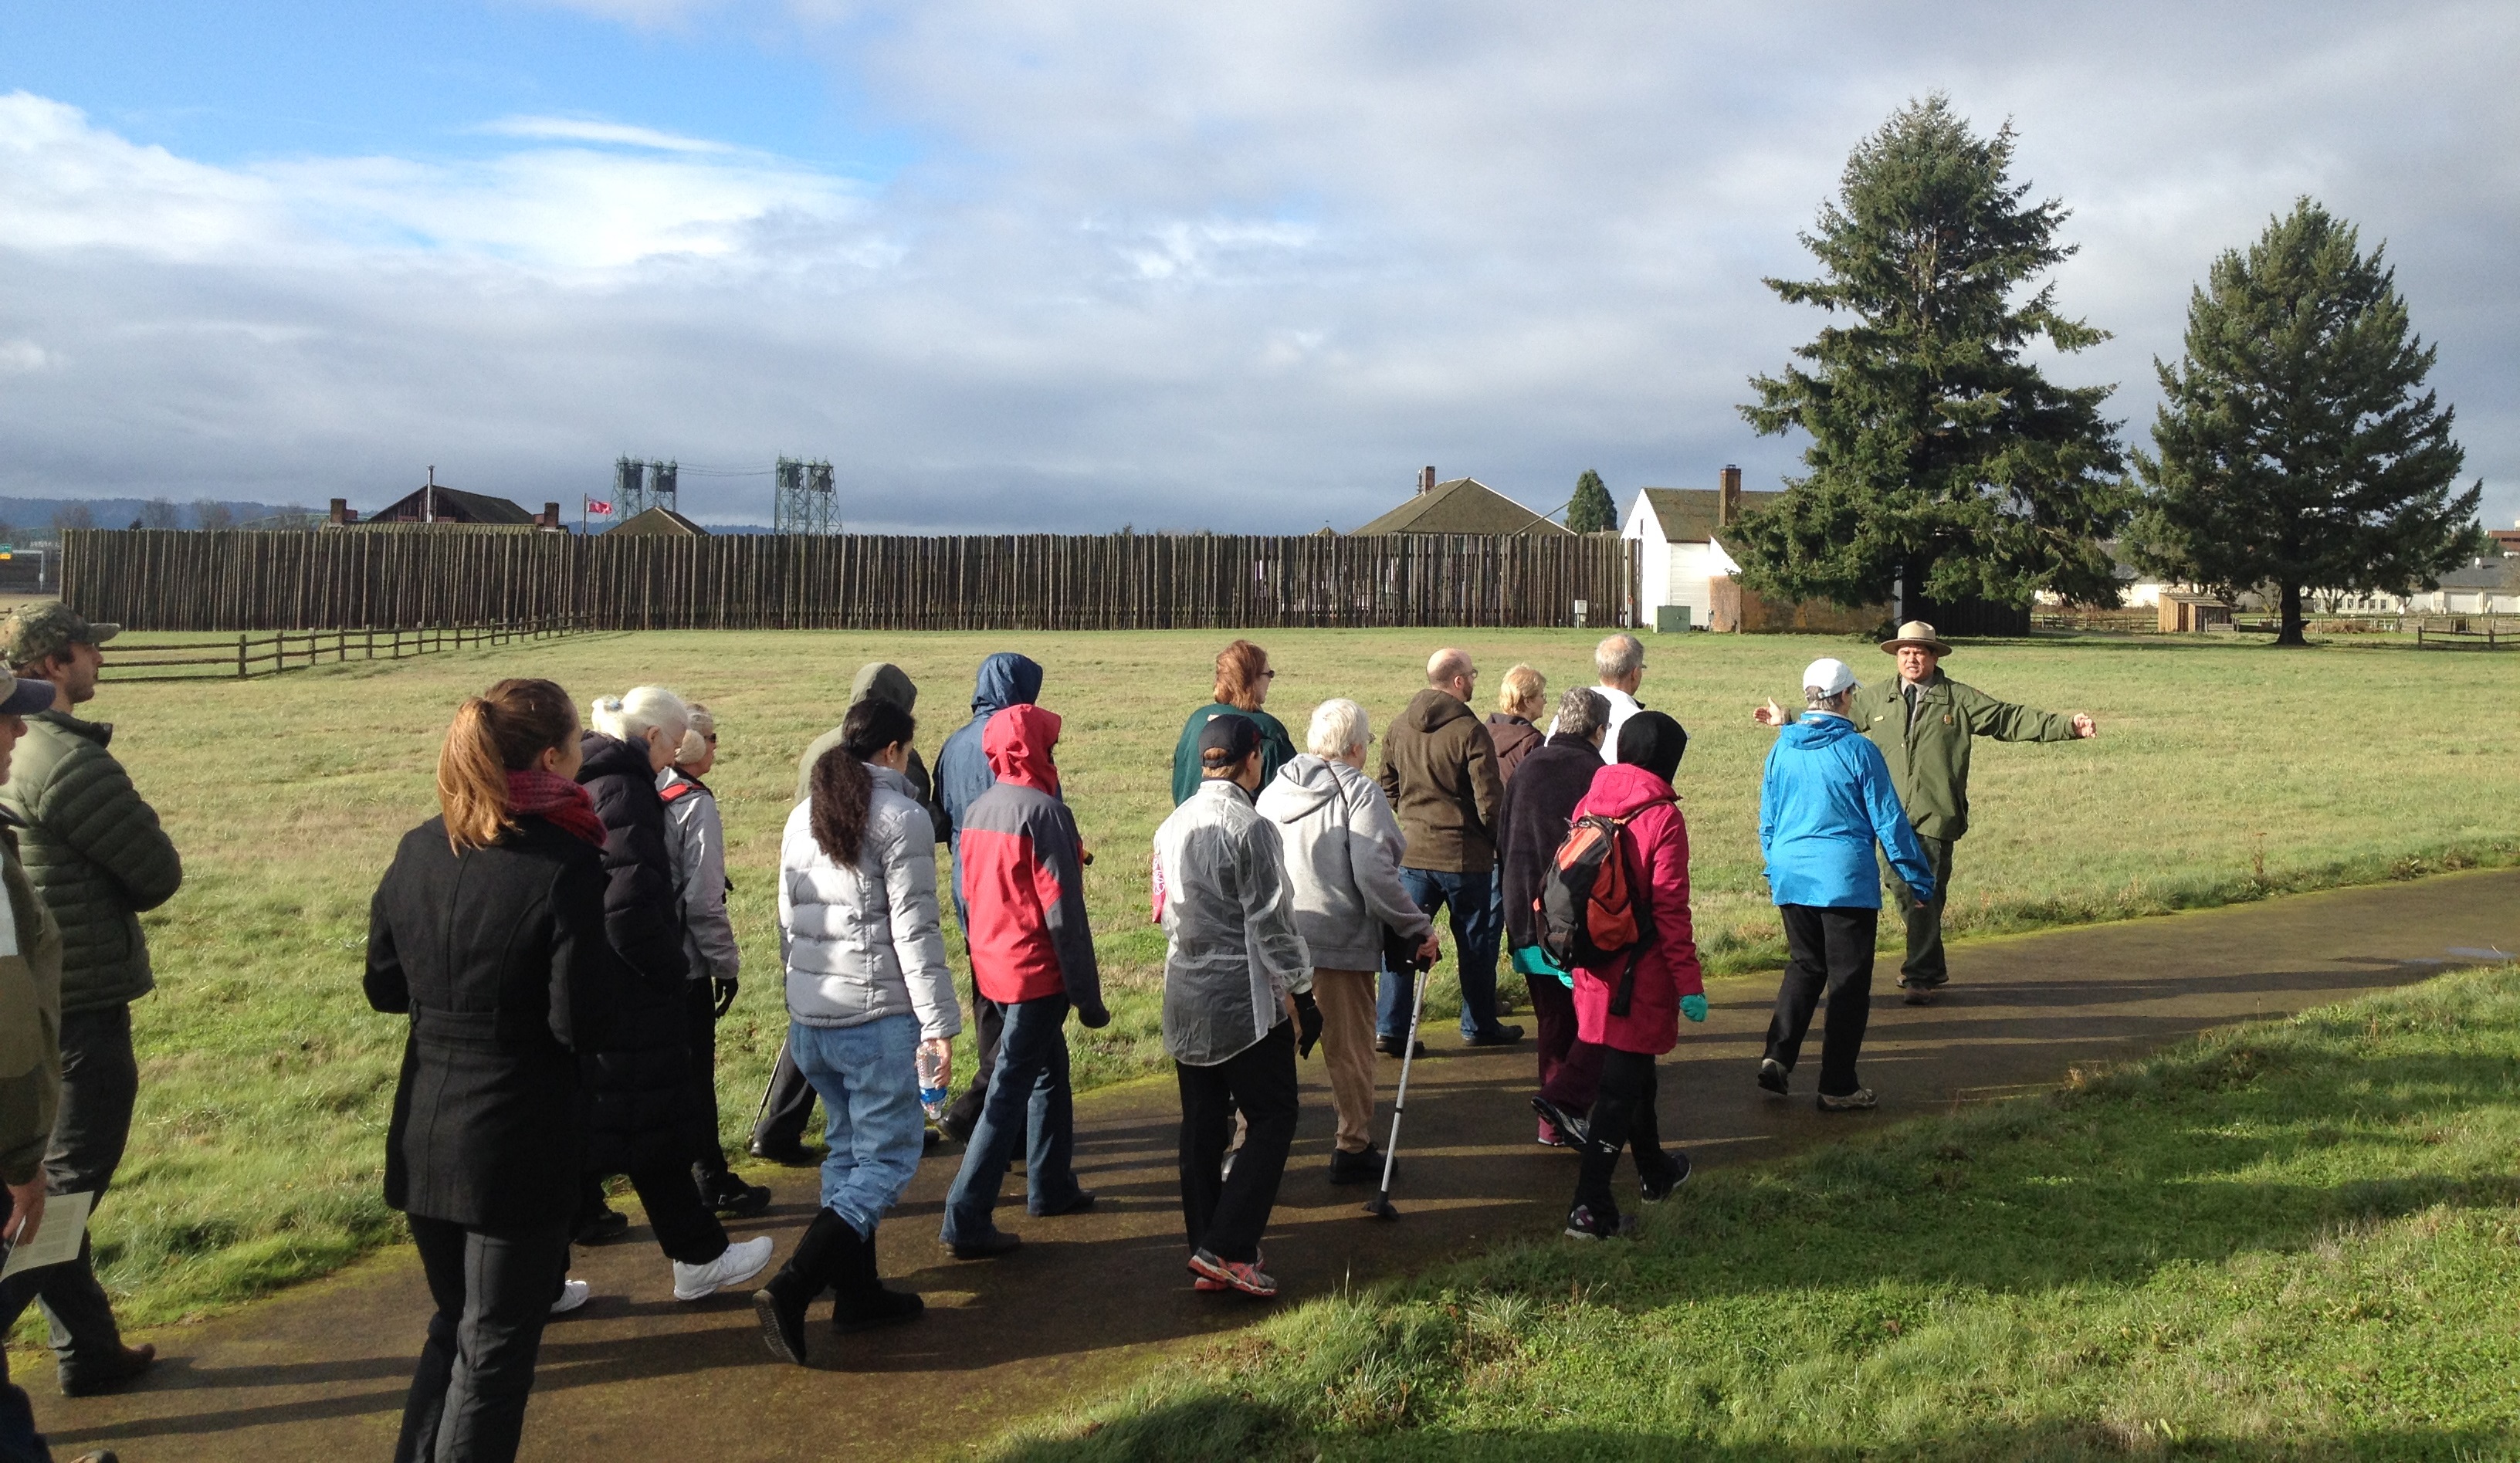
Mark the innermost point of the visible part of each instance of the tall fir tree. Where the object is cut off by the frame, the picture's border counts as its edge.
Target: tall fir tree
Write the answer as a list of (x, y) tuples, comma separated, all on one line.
[(1943, 467), (2295, 450), (1590, 510)]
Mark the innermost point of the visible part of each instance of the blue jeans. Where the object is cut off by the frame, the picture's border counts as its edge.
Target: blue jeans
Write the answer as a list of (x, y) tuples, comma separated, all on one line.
[(1029, 1095), (1475, 911), (868, 1077)]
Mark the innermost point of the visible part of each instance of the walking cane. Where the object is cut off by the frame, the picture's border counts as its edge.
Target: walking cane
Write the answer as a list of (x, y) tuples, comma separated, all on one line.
[(1380, 1205)]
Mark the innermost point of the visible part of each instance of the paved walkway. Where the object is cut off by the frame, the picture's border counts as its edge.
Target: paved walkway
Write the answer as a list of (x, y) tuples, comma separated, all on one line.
[(318, 1373)]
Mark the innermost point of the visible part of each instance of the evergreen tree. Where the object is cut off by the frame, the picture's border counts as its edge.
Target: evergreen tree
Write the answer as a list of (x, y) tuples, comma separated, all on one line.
[(1590, 510), (2294, 450), (1943, 466)]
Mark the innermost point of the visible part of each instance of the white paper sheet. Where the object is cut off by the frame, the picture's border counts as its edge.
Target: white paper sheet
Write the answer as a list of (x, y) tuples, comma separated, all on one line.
[(58, 1238)]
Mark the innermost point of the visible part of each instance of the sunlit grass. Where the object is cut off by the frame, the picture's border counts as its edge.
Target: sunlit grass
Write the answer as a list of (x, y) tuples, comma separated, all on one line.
[(2223, 771)]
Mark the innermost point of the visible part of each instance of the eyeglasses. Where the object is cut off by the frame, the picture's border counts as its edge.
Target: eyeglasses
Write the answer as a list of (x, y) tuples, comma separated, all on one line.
[(1268, 675), (710, 738)]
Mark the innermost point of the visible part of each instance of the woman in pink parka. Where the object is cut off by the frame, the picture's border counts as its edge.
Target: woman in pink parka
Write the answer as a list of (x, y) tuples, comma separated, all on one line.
[(1668, 982)]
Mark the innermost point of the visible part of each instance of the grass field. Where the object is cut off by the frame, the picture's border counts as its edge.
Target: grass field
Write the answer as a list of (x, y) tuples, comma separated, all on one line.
[(2223, 771), (2290, 1240)]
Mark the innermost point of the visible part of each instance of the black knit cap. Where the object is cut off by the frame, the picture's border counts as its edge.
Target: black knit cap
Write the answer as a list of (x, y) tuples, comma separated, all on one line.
[(1653, 741), (1226, 739)]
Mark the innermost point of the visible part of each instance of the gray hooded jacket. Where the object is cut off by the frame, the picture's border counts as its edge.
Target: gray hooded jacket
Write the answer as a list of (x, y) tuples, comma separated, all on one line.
[(1343, 850), (1231, 953)]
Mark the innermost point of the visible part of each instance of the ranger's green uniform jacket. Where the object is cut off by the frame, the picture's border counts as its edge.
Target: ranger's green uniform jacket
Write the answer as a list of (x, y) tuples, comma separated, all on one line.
[(30, 1020), (1929, 753), (96, 854)]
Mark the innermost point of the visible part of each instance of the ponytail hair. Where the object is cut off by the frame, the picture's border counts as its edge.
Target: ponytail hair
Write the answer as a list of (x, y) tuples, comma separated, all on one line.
[(873, 726), (629, 715), (503, 729), (841, 791)]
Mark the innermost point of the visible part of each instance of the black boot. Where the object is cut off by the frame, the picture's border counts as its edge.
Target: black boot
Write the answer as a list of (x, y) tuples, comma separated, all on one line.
[(864, 1304), (820, 1259)]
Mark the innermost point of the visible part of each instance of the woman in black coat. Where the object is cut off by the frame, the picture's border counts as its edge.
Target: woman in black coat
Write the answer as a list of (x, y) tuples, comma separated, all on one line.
[(488, 931), (650, 1099)]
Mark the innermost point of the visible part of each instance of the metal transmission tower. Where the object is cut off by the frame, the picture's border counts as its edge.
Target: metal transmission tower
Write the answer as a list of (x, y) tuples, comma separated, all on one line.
[(802, 498), (639, 486)]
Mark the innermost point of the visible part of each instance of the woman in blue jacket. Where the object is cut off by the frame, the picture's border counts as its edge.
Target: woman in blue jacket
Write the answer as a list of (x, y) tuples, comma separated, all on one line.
[(1825, 800)]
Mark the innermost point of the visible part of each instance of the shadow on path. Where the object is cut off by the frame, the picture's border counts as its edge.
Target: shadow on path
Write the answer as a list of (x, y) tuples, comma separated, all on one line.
[(315, 1373)]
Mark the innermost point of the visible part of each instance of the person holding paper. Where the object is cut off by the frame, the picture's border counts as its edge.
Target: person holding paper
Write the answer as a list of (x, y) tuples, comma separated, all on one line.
[(30, 1061)]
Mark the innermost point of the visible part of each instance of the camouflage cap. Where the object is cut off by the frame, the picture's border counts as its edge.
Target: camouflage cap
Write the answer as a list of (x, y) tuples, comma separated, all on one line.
[(31, 632)]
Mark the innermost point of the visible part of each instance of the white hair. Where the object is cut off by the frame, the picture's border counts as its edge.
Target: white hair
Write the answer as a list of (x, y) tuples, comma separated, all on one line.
[(698, 724), (1339, 727), (629, 715), (1617, 656)]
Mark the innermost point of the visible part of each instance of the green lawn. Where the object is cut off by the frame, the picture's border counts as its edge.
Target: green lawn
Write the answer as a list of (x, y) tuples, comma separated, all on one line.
[(2289, 1240), (2224, 770)]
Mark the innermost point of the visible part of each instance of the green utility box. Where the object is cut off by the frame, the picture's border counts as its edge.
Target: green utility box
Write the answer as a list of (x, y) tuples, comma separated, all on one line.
[(1670, 619)]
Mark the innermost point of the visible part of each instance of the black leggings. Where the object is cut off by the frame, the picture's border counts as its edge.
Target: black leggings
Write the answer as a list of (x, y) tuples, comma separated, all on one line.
[(1622, 1117), (493, 1294)]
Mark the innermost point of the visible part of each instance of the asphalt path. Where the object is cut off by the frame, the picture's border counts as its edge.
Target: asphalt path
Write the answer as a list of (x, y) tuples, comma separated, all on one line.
[(319, 1372)]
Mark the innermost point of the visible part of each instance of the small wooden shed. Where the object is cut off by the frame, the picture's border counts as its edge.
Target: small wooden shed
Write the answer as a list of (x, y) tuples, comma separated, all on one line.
[(2184, 613)]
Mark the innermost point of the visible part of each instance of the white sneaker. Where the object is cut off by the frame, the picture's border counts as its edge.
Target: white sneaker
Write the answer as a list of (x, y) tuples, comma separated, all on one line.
[(572, 1294), (740, 1263)]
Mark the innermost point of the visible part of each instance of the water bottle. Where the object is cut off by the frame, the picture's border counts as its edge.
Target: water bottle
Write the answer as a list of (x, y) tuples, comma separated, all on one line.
[(933, 1091)]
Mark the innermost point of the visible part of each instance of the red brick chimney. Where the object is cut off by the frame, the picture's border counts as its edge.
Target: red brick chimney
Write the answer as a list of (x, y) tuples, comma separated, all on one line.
[(1728, 501), (549, 517), (341, 513), (1425, 479)]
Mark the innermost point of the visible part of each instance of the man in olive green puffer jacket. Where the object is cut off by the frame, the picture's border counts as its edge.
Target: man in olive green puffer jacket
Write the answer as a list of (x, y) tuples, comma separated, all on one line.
[(97, 857), (1924, 723)]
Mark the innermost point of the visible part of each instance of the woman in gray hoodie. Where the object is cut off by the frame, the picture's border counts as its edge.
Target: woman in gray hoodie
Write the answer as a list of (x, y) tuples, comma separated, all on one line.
[(1343, 850)]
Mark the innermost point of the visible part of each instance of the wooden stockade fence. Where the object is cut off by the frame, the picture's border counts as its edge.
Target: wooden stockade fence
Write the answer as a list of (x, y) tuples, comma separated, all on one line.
[(349, 579), (250, 656)]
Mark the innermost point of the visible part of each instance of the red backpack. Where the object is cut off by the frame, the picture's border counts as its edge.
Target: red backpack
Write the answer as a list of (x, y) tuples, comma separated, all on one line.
[(1594, 906)]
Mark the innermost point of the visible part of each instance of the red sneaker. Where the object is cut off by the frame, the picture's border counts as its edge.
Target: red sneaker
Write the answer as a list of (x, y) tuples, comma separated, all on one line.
[(1233, 1274)]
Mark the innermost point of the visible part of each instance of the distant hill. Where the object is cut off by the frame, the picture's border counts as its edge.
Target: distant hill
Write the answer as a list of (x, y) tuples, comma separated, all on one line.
[(29, 518)]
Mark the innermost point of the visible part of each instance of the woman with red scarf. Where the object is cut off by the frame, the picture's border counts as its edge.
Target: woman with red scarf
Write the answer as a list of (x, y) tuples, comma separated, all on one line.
[(488, 932)]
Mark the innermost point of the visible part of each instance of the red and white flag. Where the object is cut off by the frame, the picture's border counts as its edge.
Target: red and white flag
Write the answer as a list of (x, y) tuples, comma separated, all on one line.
[(599, 507)]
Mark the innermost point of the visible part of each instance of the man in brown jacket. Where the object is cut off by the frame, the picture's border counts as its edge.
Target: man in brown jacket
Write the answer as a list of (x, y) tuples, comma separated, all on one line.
[(1439, 768)]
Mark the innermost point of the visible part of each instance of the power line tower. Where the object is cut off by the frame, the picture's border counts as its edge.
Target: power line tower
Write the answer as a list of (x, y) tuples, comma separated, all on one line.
[(802, 499)]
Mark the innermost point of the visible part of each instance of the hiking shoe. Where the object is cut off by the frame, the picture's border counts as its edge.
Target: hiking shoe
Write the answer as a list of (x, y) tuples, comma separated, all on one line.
[(1582, 1223), (783, 1324), (1550, 1136), (730, 1197), (1083, 1201), (1572, 1131), (572, 1294), (92, 1378), (603, 1227), (1365, 1166), (1390, 1046), (987, 1246), (1921, 994), (1233, 1274), (1656, 1186), (741, 1261), (1500, 1035), (1860, 1100), (1774, 1077)]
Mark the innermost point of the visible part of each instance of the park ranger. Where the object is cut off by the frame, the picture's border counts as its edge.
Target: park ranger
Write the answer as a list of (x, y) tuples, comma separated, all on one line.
[(1924, 724)]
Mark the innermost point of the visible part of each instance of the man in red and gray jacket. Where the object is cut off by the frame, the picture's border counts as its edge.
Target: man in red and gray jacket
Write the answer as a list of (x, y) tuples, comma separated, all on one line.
[(1021, 868)]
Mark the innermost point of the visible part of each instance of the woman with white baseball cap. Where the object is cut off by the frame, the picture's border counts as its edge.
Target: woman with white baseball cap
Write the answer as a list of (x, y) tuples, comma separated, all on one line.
[(1825, 800)]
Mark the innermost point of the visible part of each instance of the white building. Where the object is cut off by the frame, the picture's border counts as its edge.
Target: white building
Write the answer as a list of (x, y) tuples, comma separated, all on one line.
[(2485, 586), (1680, 552)]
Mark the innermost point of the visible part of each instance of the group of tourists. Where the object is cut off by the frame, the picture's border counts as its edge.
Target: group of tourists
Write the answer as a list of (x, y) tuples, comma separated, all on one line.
[(558, 937)]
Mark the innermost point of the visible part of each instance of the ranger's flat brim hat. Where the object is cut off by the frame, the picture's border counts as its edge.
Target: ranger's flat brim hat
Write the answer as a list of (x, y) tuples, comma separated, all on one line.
[(1914, 633)]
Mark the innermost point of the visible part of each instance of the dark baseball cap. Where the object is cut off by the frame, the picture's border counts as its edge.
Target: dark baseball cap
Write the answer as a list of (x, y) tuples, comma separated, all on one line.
[(26, 697), (1226, 739), (48, 626)]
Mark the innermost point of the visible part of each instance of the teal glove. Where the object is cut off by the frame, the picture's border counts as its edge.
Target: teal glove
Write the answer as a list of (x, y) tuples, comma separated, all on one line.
[(1693, 1007)]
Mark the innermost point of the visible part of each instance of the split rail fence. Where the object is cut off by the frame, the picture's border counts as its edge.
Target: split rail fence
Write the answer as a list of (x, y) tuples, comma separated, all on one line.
[(250, 656), (339, 579)]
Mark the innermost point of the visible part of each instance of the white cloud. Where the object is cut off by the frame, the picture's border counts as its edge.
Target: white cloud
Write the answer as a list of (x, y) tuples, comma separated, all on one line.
[(581, 129), (1232, 265), (17, 357)]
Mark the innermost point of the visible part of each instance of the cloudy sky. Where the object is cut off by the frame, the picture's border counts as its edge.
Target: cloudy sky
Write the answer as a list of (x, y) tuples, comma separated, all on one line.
[(1078, 263)]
